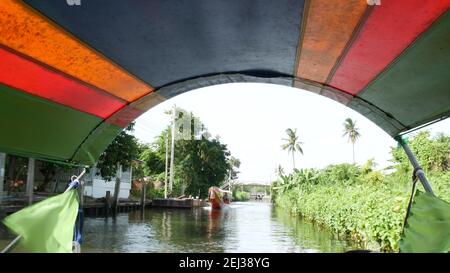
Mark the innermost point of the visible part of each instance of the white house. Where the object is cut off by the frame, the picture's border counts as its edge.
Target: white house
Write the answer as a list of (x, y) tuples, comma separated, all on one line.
[(95, 186)]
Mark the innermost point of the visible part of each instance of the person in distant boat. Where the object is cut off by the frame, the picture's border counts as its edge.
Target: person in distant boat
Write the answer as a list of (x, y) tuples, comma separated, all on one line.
[(226, 198)]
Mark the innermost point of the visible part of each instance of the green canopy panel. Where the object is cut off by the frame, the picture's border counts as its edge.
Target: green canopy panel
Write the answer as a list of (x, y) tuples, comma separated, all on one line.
[(73, 76)]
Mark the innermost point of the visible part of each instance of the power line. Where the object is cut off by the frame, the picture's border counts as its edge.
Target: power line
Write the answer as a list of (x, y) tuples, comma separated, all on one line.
[(145, 128), (146, 131)]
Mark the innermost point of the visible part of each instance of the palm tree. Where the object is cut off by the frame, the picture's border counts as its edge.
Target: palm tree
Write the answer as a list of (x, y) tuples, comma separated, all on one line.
[(351, 131), (292, 145)]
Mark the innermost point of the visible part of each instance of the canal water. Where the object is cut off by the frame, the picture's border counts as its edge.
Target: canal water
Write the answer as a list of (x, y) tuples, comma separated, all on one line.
[(243, 227)]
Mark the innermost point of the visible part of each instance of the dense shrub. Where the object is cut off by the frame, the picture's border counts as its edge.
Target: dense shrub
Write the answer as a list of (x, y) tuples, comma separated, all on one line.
[(241, 196), (366, 205)]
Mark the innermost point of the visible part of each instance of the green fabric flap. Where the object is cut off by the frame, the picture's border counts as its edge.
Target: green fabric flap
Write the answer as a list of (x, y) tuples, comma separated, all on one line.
[(47, 226), (428, 226)]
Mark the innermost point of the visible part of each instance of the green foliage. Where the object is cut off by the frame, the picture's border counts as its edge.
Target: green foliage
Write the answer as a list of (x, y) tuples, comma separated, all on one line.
[(253, 188), (292, 144), (138, 165), (152, 192), (350, 130), (432, 153), (241, 195), (123, 150), (364, 204), (345, 173), (199, 163), (154, 163)]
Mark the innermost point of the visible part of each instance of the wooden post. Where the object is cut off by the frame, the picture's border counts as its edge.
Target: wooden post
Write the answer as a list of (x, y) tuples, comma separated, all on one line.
[(142, 214), (30, 180), (117, 189), (143, 193), (107, 203), (2, 174)]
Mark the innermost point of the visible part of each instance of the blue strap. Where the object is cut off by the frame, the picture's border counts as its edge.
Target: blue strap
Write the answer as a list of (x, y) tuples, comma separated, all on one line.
[(73, 184), (78, 230)]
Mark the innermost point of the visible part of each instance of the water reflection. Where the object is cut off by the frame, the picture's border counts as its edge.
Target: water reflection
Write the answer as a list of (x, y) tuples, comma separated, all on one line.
[(310, 237), (244, 227)]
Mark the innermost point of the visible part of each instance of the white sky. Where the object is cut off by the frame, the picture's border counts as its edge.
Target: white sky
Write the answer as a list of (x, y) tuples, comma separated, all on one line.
[(252, 118)]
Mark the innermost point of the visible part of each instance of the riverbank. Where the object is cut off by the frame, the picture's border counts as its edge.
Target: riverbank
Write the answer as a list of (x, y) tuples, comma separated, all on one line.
[(91, 206), (365, 206)]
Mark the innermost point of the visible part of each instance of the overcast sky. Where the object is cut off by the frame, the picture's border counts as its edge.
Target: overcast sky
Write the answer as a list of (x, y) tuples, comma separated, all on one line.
[(252, 118)]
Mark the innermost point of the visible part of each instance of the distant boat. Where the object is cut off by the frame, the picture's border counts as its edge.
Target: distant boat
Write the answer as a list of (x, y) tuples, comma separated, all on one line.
[(218, 197)]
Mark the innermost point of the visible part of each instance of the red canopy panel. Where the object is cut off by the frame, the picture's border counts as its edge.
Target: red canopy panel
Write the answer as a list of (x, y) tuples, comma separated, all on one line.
[(38, 80), (390, 28)]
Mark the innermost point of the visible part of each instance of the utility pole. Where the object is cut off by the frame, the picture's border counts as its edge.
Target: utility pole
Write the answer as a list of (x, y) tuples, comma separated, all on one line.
[(229, 178), (167, 164), (172, 150)]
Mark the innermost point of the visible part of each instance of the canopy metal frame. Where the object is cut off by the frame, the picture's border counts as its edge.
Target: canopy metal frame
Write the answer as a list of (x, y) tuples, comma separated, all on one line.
[(418, 172)]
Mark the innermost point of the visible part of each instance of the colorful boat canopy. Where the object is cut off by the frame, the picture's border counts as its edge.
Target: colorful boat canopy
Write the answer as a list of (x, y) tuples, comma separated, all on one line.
[(74, 73)]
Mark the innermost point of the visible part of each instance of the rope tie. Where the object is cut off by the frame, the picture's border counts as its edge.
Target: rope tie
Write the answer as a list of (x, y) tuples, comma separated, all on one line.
[(415, 177)]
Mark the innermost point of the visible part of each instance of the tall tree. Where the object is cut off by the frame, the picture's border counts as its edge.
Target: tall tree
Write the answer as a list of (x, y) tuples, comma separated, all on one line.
[(123, 150), (292, 144), (153, 162), (201, 164), (352, 132), (119, 155), (235, 163), (201, 161)]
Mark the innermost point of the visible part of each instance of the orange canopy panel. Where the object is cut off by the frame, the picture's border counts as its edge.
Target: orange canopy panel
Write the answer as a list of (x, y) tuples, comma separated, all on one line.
[(327, 30), (30, 33)]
